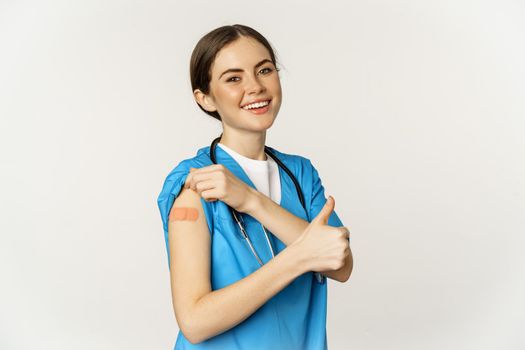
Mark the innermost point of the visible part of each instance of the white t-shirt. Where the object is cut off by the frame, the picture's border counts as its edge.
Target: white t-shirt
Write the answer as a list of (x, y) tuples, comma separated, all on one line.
[(263, 173)]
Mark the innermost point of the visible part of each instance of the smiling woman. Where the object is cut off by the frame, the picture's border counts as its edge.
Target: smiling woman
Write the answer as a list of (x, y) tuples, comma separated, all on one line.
[(248, 229), (243, 77)]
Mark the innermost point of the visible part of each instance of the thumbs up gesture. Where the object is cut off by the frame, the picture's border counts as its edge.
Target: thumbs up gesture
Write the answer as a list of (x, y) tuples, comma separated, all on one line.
[(323, 247)]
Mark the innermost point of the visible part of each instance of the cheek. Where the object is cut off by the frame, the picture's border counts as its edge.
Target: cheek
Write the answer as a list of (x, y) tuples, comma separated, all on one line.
[(232, 93), (233, 100), (228, 96), (275, 87), (277, 93)]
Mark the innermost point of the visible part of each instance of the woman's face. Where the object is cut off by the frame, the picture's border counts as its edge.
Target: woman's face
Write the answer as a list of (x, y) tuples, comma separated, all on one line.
[(241, 74)]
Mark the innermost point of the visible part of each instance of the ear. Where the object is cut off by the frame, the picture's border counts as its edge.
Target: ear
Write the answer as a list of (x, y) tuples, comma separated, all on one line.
[(204, 100)]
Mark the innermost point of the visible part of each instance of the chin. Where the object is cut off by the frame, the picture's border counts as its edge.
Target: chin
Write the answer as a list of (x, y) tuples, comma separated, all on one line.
[(267, 122)]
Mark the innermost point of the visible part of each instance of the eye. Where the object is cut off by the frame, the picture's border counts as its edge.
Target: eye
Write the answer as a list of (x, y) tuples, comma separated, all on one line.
[(269, 69), (234, 77), (228, 80)]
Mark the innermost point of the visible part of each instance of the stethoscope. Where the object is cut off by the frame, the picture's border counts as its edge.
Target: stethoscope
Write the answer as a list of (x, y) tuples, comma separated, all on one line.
[(238, 217)]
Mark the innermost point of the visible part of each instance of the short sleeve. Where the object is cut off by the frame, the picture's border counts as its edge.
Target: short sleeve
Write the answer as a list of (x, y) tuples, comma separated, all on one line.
[(318, 199), (170, 190)]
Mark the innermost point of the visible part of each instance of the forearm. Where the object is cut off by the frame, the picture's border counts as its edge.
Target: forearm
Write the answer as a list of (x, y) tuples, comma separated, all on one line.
[(224, 308), (288, 227), (283, 224)]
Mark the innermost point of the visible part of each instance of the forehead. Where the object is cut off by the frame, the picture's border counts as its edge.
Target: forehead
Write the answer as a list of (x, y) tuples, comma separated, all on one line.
[(244, 53)]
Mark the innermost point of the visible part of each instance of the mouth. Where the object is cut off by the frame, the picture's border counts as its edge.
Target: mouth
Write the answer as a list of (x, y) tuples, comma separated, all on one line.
[(259, 107)]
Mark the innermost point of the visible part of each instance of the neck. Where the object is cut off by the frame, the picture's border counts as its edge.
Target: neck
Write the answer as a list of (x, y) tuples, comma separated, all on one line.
[(250, 145)]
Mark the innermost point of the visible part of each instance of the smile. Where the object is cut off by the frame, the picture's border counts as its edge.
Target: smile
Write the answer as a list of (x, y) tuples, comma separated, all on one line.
[(255, 105), (258, 107)]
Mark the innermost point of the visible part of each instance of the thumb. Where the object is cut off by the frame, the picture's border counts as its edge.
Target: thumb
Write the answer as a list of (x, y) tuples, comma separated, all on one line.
[(326, 211), (188, 177)]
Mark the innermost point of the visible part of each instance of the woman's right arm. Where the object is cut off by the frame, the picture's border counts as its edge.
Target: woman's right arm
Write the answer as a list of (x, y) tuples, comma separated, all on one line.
[(200, 312)]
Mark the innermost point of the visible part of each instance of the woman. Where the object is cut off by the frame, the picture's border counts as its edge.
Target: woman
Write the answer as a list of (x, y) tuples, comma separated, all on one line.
[(267, 291)]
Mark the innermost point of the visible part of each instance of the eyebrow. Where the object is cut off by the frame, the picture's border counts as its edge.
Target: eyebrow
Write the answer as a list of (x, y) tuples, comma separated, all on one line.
[(240, 70)]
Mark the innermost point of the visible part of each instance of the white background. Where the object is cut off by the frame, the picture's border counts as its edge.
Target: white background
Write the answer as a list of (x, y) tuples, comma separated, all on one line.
[(412, 111)]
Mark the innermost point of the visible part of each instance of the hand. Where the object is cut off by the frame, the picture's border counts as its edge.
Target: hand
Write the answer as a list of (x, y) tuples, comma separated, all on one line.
[(216, 182), (323, 247)]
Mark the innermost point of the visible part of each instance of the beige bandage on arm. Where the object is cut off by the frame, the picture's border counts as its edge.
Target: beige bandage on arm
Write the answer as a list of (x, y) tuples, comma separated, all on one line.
[(183, 214)]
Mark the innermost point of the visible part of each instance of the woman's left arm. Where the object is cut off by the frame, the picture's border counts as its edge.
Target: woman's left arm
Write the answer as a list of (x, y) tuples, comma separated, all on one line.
[(287, 227)]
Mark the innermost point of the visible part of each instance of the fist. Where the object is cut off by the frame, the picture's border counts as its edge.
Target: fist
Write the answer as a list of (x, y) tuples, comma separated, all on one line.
[(216, 182)]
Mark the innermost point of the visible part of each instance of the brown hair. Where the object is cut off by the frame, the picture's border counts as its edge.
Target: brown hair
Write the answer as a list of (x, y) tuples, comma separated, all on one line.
[(207, 48)]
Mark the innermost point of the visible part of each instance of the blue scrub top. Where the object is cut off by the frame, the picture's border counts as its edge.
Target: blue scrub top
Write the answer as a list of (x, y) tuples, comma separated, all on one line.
[(294, 318)]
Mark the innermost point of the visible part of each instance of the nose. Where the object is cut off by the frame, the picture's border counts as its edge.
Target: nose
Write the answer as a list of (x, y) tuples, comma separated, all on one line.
[(253, 85)]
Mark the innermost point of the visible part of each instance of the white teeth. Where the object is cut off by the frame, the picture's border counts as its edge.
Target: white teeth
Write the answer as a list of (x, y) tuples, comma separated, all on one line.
[(256, 105)]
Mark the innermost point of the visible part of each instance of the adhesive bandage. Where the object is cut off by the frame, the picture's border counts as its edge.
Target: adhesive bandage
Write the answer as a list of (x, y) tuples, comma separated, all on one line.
[(183, 214)]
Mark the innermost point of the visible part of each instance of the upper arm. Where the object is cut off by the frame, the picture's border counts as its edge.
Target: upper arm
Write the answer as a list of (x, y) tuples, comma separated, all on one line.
[(189, 249)]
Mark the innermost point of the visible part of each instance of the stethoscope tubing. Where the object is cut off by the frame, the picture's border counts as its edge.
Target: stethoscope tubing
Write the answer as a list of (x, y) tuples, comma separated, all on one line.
[(318, 275)]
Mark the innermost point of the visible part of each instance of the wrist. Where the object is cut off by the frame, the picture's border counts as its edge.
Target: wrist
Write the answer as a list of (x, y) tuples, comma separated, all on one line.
[(253, 202), (296, 258)]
